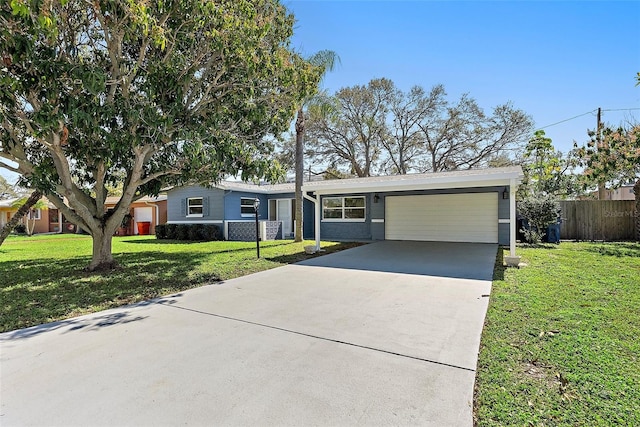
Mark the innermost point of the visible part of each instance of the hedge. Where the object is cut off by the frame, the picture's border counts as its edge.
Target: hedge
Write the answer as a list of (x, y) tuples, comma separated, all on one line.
[(197, 232)]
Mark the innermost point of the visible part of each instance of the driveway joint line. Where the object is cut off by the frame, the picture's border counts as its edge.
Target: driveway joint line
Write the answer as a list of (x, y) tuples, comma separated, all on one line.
[(393, 353)]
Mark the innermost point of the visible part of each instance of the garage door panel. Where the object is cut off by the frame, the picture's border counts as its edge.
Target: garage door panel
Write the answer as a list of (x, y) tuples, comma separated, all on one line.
[(445, 217)]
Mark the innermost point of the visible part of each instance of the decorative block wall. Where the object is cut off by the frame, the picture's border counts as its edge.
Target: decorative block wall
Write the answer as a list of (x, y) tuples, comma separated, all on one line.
[(246, 231)]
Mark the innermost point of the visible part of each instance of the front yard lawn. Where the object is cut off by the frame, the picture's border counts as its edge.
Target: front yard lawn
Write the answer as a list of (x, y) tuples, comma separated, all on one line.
[(41, 277), (561, 342)]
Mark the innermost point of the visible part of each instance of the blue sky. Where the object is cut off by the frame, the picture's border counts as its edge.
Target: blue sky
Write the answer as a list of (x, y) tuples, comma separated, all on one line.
[(554, 60)]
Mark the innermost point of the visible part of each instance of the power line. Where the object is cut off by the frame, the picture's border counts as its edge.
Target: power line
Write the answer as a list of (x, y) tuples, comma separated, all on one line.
[(566, 120), (621, 109), (588, 112)]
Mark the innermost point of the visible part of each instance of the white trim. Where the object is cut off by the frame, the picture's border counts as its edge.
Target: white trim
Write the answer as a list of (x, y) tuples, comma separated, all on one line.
[(37, 216), (342, 208), (251, 214), (471, 178), (201, 206), (195, 216), (377, 220), (504, 221), (512, 217)]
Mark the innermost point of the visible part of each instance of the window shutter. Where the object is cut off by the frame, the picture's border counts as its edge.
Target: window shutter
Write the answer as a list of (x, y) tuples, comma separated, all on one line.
[(183, 207), (205, 206)]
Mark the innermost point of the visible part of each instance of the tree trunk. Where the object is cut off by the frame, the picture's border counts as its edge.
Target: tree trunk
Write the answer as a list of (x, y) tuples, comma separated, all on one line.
[(636, 190), (102, 259), (299, 173), (8, 227)]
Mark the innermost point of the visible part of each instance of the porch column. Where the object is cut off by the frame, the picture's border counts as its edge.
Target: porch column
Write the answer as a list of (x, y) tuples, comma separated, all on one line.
[(512, 260), (512, 218), (317, 221)]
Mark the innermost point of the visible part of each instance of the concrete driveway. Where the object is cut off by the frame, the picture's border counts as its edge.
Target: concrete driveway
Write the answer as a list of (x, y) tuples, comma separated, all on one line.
[(383, 334)]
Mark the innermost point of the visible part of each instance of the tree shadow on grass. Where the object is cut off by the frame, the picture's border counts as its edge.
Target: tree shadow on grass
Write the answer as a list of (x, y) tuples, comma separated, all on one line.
[(617, 249), (303, 256), (222, 243), (39, 291)]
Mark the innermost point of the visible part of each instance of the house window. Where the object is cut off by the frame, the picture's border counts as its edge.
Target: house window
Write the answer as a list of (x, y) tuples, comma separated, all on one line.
[(246, 207), (194, 206), (34, 214), (343, 208), (53, 216)]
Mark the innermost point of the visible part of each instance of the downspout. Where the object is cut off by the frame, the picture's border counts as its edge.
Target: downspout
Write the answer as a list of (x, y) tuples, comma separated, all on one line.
[(157, 213)]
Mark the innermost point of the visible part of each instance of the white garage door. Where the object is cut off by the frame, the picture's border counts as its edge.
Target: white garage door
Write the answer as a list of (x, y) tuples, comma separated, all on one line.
[(443, 217)]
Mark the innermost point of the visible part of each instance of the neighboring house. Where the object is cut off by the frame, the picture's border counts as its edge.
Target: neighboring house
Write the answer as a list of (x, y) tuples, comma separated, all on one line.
[(51, 220), (459, 206), (147, 209), (624, 192), (46, 220)]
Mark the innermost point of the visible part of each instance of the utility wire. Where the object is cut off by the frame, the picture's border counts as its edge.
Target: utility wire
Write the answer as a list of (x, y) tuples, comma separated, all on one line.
[(588, 112), (566, 120)]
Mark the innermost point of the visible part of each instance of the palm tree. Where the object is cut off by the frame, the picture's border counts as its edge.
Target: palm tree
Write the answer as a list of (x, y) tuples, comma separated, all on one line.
[(32, 204), (325, 60)]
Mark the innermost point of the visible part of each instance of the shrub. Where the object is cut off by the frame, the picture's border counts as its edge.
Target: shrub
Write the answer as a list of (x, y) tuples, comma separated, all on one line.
[(161, 231), (182, 231), (212, 232), (540, 212), (192, 232), (20, 229), (195, 232)]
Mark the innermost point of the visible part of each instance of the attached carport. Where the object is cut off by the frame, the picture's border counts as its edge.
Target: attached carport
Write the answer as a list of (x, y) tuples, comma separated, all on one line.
[(458, 206)]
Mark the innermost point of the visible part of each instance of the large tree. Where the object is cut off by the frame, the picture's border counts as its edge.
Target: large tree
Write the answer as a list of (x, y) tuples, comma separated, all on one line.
[(348, 127), (325, 60), (377, 128), (7, 190), (547, 172), (614, 158), (148, 93)]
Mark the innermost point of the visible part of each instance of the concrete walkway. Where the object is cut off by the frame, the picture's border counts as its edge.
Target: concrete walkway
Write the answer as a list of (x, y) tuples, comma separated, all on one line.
[(383, 334)]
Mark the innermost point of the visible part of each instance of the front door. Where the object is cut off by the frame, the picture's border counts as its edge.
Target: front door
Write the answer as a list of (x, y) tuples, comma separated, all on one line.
[(283, 213)]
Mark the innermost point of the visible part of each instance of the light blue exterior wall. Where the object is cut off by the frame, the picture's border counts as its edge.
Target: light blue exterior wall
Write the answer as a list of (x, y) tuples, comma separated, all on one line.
[(225, 205), (232, 205), (212, 199)]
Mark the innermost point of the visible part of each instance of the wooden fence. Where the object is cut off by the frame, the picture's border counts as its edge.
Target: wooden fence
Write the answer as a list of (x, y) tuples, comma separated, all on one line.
[(598, 220)]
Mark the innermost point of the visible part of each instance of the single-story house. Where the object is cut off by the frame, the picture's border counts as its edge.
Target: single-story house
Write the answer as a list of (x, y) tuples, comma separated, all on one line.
[(51, 220), (146, 209), (45, 220), (458, 206)]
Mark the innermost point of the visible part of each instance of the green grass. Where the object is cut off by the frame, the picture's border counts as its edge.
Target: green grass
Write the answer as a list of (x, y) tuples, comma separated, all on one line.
[(561, 343), (42, 278)]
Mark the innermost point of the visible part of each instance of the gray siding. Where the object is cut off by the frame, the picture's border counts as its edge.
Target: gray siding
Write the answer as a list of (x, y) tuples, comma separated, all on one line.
[(348, 230), (176, 200)]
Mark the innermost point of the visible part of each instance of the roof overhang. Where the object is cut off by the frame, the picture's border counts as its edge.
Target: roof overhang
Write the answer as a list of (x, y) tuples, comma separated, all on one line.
[(442, 180)]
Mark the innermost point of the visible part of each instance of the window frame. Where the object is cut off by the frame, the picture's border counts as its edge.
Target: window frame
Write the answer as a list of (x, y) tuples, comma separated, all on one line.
[(253, 211), (343, 208), (201, 206), (37, 217)]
